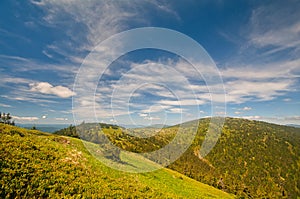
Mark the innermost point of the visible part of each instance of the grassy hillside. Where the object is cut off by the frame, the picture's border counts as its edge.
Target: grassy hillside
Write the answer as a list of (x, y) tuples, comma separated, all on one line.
[(39, 165), (254, 159)]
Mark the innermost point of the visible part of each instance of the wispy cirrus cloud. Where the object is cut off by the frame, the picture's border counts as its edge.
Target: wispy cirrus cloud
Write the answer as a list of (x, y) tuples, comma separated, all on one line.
[(98, 20), (275, 70), (20, 64), (270, 26), (7, 33), (261, 82), (267, 65)]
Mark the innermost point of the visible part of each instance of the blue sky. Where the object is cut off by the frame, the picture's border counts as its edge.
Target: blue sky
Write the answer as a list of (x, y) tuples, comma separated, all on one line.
[(254, 44)]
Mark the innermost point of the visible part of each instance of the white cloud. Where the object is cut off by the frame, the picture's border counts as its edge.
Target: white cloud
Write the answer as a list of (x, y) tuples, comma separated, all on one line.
[(252, 117), (144, 79), (151, 118), (5, 105), (155, 108), (262, 81), (221, 113), (46, 88), (143, 114), (113, 120), (273, 70), (14, 80), (294, 119), (44, 117), (246, 108), (24, 118), (61, 119), (176, 110), (240, 91), (18, 85), (242, 84), (22, 95), (182, 102), (45, 52)]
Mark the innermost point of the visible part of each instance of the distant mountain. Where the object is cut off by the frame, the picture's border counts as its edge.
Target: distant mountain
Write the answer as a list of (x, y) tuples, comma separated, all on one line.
[(50, 128), (254, 159), (158, 126), (293, 125), (34, 164), (130, 126)]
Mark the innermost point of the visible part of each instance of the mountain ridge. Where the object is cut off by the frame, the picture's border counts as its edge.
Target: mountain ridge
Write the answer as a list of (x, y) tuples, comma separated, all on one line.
[(243, 156)]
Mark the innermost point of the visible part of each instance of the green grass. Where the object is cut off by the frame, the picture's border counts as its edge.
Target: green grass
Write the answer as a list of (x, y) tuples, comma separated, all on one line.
[(39, 165)]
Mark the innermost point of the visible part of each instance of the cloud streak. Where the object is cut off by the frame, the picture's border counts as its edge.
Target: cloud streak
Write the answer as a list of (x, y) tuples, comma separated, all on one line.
[(284, 120), (271, 28), (25, 118), (98, 20)]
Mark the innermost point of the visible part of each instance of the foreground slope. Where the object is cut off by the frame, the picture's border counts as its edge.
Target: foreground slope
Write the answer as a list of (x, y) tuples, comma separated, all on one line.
[(38, 165)]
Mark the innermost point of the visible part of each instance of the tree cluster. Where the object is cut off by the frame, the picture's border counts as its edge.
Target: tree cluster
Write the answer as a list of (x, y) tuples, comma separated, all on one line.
[(6, 119)]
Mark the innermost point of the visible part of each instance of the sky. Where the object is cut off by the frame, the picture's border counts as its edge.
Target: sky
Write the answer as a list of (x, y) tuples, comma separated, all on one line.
[(53, 65)]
